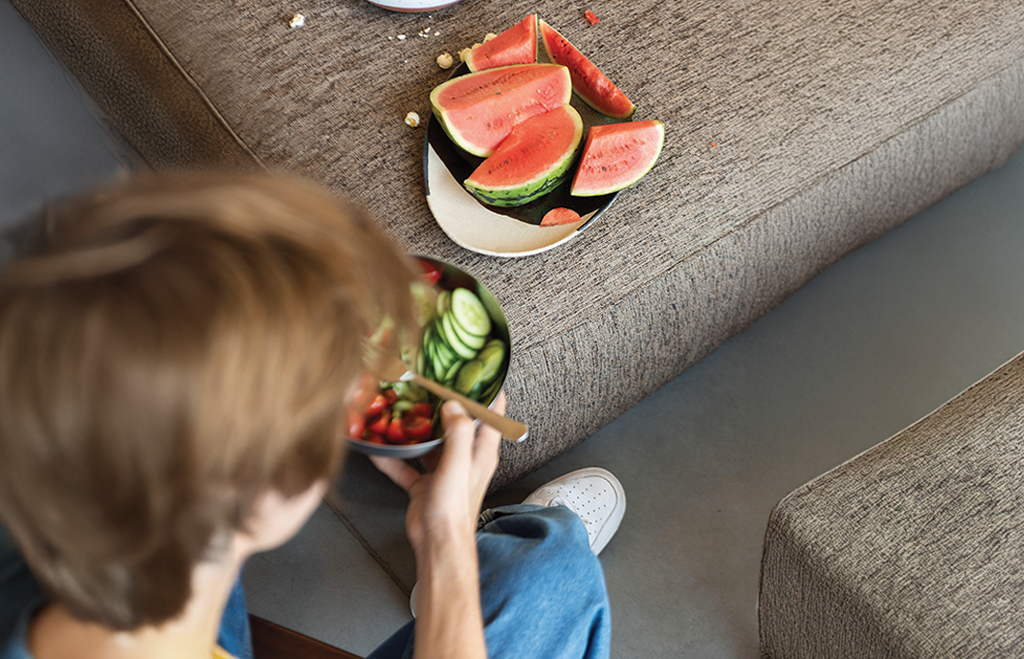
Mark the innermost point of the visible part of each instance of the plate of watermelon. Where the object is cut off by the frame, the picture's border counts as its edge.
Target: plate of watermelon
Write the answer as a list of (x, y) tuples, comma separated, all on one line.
[(522, 154)]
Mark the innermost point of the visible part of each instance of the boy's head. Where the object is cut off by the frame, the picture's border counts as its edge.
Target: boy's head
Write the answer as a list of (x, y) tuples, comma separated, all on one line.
[(176, 347)]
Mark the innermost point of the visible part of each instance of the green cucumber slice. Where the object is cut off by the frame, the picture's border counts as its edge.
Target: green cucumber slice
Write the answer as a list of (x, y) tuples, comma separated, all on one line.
[(449, 376), (452, 337), (424, 298), (492, 357), (491, 392), (469, 312), (444, 302), (445, 349), (469, 376), (439, 370), (472, 341)]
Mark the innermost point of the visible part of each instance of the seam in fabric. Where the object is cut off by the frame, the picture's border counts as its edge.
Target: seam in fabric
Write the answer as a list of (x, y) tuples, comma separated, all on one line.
[(191, 82)]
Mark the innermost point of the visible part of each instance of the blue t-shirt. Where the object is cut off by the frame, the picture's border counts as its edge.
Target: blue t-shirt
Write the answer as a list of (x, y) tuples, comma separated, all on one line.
[(21, 597)]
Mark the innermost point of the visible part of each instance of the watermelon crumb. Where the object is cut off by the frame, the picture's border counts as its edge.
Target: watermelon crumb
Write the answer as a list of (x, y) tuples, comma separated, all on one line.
[(591, 17), (559, 216)]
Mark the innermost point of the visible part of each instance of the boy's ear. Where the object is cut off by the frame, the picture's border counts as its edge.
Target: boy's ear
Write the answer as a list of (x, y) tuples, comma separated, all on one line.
[(275, 518)]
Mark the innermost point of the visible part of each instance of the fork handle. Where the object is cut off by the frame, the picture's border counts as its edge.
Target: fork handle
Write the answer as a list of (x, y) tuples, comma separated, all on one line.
[(509, 428)]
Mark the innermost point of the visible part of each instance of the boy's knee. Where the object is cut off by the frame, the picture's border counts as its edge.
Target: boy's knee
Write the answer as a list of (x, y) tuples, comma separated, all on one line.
[(541, 553)]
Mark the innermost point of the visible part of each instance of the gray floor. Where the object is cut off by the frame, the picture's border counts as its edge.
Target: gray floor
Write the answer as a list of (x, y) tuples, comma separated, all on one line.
[(875, 343)]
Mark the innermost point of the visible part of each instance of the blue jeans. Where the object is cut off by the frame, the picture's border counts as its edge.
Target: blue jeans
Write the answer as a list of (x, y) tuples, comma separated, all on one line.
[(541, 589)]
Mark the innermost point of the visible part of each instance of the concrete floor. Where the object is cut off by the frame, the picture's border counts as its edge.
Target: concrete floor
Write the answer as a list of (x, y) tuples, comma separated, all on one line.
[(872, 345)]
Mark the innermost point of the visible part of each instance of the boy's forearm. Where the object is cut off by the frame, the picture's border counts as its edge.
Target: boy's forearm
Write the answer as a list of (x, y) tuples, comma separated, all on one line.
[(449, 623)]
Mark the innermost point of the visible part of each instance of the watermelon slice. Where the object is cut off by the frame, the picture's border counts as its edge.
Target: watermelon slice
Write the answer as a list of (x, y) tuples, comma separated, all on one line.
[(592, 86), (516, 45), (479, 110), (616, 156), (559, 216), (532, 161)]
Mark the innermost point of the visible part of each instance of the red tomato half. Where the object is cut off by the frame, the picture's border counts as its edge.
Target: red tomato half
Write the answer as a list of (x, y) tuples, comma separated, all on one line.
[(374, 438), (395, 433), (356, 424), (376, 405), (422, 409), (417, 428), (380, 423), (431, 274)]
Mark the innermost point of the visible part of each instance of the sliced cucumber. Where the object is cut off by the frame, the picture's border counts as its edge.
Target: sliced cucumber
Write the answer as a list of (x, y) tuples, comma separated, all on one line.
[(444, 350), (468, 378), (444, 302), (469, 312), (471, 341), (492, 357), (439, 370), (490, 392), (451, 336), (425, 300), (450, 374)]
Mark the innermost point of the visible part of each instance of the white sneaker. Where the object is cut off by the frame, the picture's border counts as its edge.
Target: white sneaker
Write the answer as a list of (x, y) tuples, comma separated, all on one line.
[(592, 493)]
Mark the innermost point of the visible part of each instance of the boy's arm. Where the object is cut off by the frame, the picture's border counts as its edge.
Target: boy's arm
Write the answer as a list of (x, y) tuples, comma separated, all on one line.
[(441, 523)]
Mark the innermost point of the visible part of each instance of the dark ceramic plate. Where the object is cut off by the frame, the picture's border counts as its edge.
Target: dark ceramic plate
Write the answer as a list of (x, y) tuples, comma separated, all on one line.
[(490, 229)]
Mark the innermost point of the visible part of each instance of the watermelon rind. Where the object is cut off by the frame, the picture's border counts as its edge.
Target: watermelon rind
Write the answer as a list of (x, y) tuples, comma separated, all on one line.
[(615, 156), (537, 135), (516, 45), (589, 83), (479, 110)]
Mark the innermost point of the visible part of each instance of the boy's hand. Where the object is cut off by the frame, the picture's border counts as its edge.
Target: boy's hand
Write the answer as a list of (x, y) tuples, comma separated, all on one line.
[(449, 498), (441, 523)]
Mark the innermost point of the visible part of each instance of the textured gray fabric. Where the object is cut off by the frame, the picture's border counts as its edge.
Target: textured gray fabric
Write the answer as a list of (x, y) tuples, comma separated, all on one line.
[(796, 131), (144, 93), (913, 549)]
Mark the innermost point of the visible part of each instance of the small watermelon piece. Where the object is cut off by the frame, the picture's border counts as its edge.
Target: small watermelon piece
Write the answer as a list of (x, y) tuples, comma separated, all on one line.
[(516, 45), (616, 156), (559, 216), (592, 86), (534, 159), (479, 110)]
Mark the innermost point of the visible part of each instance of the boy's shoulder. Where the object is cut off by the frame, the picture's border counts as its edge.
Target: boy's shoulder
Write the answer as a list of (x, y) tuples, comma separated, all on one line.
[(13, 641), (19, 597)]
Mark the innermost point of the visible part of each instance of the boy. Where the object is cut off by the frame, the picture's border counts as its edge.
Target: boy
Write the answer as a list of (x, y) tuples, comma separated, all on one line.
[(178, 357)]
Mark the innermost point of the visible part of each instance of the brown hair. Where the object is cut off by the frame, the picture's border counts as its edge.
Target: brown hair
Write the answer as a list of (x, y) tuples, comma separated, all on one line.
[(178, 345)]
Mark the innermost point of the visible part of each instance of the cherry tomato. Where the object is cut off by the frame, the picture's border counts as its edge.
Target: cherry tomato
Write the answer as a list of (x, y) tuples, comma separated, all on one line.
[(395, 433), (356, 424), (417, 428), (431, 274), (391, 395), (380, 423), (422, 409), (377, 405), (373, 438)]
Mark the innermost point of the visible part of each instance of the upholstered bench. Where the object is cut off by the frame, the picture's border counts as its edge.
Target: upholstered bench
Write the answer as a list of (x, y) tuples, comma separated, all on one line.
[(914, 549), (796, 131)]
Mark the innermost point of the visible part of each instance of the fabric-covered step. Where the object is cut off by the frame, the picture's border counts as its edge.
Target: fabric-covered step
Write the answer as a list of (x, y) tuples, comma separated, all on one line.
[(912, 549)]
